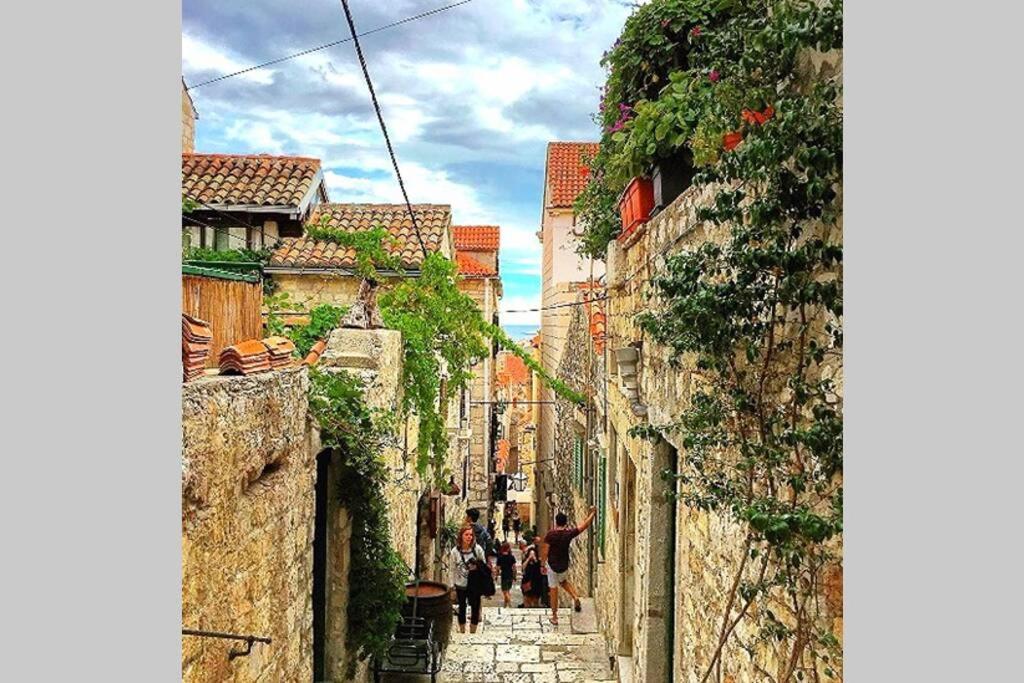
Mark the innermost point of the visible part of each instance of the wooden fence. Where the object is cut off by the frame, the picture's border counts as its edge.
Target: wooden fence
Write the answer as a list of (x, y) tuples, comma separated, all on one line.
[(232, 307)]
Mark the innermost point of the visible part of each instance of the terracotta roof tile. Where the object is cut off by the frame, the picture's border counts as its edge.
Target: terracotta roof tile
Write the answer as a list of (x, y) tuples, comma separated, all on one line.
[(477, 237), (470, 267), (303, 252), (247, 179), (513, 370), (566, 171)]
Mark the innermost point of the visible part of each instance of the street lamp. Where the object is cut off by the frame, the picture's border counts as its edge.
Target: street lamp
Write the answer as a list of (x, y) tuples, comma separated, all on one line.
[(518, 481)]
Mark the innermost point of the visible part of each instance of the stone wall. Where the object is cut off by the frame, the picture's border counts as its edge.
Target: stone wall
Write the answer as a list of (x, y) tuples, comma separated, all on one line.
[(680, 587), (248, 470), (375, 356), (312, 288)]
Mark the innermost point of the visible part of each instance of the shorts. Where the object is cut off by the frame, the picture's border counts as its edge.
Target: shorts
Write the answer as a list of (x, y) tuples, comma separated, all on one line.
[(506, 585), (556, 578)]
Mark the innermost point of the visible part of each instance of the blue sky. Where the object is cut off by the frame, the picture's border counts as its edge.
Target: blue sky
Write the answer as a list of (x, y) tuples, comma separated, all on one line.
[(471, 97)]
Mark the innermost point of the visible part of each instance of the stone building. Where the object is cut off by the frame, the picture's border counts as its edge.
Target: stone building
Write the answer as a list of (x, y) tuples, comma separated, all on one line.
[(476, 254), (248, 201), (662, 568), (563, 271), (265, 538), (188, 120), (316, 271)]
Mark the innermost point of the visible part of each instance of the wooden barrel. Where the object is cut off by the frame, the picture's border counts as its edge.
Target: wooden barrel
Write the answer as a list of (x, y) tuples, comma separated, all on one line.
[(434, 604)]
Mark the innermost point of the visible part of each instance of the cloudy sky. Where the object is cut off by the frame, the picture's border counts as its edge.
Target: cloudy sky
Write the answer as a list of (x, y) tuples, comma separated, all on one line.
[(471, 97)]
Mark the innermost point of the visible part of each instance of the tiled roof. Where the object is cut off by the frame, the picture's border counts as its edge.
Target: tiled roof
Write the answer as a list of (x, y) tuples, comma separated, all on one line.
[(248, 180), (513, 371), (470, 267), (566, 171), (476, 237), (434, 221)]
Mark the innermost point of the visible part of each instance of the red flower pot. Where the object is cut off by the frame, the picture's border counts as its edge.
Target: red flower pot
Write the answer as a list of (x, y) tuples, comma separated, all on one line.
[(635, 205)]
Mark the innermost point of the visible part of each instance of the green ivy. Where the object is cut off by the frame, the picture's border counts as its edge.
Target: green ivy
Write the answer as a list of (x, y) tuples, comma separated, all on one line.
[(359, 435), (443, 336)]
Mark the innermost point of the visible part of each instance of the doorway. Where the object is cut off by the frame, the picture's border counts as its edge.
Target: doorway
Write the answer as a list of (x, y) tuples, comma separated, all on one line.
[(320, 526), (627, 556)]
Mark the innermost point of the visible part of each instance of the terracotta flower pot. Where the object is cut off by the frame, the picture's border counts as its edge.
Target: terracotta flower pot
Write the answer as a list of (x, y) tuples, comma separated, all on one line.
[(635, 205)]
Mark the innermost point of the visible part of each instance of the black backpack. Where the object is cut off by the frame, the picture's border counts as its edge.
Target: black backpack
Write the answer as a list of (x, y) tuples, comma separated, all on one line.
[(480, 580)]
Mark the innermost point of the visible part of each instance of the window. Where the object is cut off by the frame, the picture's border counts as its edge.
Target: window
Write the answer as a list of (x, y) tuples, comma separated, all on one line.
[(221, 239), (613, 467)]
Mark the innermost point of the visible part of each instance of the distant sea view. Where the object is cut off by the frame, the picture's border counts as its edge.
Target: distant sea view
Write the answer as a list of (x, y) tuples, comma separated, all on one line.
[(521, 332)]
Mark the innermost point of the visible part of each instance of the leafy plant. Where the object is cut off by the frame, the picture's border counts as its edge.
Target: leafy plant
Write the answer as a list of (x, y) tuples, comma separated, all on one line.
[(359, 435), (370, 247), (757, 314), (322, 319)]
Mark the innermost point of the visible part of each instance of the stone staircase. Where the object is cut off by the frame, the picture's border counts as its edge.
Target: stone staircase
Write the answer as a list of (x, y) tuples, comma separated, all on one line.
[(522, 645)]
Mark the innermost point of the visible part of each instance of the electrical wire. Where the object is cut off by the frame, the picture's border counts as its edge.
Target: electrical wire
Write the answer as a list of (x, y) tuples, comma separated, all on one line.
[(311, 50), (380, 119)]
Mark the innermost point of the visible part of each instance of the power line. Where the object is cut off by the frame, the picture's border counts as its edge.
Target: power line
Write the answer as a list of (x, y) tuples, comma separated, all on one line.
[(437, 10), (553, 306), (380, 119)]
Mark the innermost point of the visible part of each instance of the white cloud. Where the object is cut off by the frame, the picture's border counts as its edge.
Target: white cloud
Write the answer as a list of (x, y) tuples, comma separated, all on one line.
[(519, 303), (200, 57)]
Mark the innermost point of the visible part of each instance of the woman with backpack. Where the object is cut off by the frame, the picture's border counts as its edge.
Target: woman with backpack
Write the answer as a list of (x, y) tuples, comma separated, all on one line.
[(466, 558), (533, 584)]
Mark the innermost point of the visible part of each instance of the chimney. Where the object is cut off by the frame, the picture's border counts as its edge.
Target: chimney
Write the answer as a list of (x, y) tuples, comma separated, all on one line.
[(188, 120)]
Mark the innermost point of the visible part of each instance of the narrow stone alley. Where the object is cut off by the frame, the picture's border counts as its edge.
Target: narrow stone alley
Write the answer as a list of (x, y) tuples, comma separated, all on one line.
[(522, 645)]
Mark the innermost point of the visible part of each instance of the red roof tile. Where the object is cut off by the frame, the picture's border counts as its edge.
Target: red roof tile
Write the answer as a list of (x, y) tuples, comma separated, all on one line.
[(515, 370), (434, 221), (476, 237), (470, 267), (247, 179), (566, 171)]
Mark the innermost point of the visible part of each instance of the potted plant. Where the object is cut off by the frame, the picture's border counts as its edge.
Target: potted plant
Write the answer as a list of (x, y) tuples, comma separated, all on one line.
[(635, 205)]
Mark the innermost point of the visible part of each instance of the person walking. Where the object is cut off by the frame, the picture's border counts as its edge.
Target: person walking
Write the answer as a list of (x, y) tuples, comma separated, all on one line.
[(505, 525), (533, 586), (466, 556), (507, 568), (556, 558), (483, 539)]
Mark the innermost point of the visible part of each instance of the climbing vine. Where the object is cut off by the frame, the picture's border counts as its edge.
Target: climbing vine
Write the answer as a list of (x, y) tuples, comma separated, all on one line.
[(755, 311), (359, 435), (444, 335)]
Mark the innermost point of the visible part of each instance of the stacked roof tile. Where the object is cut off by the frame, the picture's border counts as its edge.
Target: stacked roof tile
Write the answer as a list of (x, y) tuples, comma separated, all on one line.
[(567, 171), (280, 350), (245, 358), (248, 179), (196, 338), (476, 237), (434, 222)]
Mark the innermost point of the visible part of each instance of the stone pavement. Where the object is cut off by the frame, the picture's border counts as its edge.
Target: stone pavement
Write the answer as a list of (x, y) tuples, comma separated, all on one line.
[(522, 645)]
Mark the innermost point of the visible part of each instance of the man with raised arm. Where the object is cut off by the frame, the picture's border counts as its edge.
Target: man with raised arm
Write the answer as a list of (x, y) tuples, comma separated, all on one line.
[(556, 556)]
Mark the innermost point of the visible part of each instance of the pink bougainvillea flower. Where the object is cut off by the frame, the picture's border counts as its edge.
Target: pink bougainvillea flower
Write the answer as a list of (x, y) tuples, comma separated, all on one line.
[(731, 140), (714, 76), (695, 31), (625, 108)]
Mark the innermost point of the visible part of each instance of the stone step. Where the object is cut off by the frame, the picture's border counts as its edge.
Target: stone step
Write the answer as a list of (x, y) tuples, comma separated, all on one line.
[(584, 621)]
